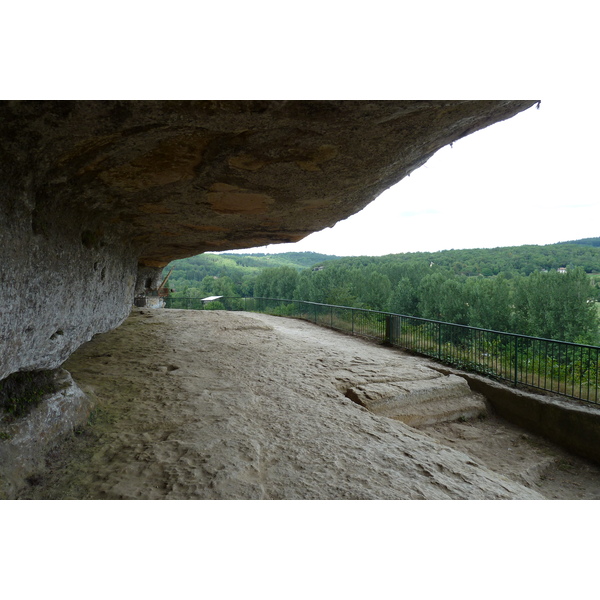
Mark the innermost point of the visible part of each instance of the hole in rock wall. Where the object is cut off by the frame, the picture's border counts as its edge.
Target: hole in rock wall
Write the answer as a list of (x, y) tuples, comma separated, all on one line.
[(37, 226), (92, 239)]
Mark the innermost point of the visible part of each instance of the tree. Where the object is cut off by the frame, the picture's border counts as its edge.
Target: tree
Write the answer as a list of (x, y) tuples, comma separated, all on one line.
[(557, 306), (405, 300), (489, 301), (429, 296), (453, 303), (305, 289), (213, 286), (214, 305), (371, 288), (277, 282), (284, 282)]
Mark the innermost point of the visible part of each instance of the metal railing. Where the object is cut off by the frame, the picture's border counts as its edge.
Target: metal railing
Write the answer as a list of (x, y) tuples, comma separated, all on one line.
[(564, 368)]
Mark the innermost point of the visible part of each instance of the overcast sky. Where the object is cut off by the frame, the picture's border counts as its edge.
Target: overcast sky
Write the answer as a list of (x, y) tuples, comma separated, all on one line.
[(531, 179)]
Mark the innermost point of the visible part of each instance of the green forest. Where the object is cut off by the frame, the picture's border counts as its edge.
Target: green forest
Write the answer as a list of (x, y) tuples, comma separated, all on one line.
[(513, 289)]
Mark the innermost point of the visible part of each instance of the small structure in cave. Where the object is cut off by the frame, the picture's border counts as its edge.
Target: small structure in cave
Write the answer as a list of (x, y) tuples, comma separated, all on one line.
[(154, 298)]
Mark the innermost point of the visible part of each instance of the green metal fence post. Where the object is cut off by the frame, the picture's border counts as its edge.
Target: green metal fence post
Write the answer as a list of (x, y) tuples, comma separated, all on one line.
[(516, 360)]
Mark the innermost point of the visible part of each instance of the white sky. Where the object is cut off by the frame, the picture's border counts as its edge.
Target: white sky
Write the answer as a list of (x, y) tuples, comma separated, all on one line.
[(531, 179)]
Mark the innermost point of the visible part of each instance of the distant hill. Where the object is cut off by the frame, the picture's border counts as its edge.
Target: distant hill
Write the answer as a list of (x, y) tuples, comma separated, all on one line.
[(235, 272), (585, 242), (522, 260), (300, 260)]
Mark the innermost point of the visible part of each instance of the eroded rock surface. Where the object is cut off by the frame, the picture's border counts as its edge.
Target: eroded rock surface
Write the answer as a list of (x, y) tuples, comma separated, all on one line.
[(216, 405), (24, 442), (415, 401), (92, 191)]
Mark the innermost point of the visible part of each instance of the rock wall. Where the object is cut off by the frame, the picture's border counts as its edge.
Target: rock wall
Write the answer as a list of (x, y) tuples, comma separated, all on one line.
[(61, 284), (90, 191)]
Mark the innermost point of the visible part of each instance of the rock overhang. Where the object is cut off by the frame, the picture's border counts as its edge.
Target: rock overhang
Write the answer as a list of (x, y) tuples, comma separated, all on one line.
[(95, 194), (181, 178)]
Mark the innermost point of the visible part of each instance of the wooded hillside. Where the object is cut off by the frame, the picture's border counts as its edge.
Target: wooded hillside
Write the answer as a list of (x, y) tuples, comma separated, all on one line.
[(544, 291)]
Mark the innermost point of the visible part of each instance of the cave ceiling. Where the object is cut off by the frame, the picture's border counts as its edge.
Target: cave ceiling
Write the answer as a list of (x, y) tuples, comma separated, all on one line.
[(178, 178)]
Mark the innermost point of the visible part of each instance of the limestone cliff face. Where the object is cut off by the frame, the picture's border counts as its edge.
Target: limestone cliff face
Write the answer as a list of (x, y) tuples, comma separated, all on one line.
[(90, 191)]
